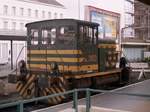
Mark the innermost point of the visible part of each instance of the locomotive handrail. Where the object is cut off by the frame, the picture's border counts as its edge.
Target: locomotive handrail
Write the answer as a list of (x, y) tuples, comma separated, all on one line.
[(20, 103), (60, 58), (19, 56)]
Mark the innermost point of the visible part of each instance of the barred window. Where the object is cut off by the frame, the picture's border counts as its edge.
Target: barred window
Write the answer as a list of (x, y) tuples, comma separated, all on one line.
[(34, 37), (5, 10), (49, 36), (66, 34)]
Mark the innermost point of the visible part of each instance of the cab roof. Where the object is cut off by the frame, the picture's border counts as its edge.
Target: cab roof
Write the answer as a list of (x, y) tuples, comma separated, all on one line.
[(57, 21)]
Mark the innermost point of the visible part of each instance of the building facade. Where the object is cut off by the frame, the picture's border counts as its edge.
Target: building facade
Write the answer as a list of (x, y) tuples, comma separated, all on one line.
[(77, 8), (136, 33), (80, 11), (14, 14)]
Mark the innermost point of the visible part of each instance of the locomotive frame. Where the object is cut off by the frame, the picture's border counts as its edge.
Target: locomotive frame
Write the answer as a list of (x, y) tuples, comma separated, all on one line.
[(63, 54)]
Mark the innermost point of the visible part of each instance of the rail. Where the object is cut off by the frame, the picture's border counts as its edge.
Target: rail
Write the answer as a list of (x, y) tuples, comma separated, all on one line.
[(20, 104)]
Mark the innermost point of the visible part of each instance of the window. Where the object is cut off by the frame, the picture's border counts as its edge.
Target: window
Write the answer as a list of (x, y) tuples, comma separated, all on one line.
[(46, 36), (13, 11), (21, 11), (21, 26), (34, 37), (29, 12), (5, 11), (13, 25), (49, 36), (66, 35), (49, 15), (61, 16), (43, 14), (36, 13), (67, 31), (87, 34), (53, 35), (5, 24), (55, 15), (4, 50)]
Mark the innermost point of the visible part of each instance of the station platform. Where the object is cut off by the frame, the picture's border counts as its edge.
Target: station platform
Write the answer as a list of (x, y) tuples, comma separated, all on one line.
[(115, 101)]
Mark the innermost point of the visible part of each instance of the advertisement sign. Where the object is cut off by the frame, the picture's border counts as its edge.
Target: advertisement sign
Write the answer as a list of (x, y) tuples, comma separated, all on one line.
[(109, 22), (98, 18), (110, 26)]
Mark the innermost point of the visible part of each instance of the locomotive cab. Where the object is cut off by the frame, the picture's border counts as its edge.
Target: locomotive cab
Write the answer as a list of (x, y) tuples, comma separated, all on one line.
[(71, 44)]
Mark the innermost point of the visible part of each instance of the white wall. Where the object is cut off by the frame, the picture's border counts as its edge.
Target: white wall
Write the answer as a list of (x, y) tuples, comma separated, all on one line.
[(18, 19), (73, 9), (4, 52), (25, 18), (19, 51)]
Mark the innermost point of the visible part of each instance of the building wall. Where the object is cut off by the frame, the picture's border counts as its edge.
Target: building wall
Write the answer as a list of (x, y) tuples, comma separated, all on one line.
[(4, 52), (22, 16), (142, 21), (134, 53), (14, 14), (72, 9), (129, 19), (137, 30), (76, 8)]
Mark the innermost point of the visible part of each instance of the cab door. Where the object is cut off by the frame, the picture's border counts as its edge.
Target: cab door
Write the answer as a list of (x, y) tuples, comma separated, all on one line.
[(87, 42)]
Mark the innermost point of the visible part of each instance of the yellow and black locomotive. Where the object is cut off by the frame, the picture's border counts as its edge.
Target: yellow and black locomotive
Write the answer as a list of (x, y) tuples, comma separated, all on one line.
[(63, 54)]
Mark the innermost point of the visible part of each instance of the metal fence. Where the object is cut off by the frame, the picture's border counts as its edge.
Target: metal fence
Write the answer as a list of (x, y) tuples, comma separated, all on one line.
[(20, 104)]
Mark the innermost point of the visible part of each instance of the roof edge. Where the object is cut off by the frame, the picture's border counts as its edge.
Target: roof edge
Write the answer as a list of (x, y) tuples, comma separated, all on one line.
[(42, 3)]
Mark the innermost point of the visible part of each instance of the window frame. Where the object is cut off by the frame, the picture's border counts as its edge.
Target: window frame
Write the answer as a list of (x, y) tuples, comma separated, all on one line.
[(21, 11), (5, 9), (32, 37), (88, 35), (29, 12), (43, 14), (13, 10), (49, 15), (5, 24), (51, 38), (36, 13)]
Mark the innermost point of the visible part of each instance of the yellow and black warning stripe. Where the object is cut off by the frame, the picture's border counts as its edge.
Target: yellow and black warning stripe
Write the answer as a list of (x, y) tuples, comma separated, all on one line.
[(54, 89), (68, 60), (54, 51), (107, 46), (20, 84), (57, 59), (28, 85), (73, 68)]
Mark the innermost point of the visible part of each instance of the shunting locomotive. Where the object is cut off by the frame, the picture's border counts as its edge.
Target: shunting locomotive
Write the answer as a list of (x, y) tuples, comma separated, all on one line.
[(63, 54)]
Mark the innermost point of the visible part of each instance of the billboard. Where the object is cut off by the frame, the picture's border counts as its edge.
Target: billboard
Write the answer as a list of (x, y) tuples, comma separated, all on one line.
[(109, 22)]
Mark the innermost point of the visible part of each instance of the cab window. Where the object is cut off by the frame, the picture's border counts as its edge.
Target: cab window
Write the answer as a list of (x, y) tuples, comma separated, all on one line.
[(34, 37), (49, 36), (66, 34), (87, 34)]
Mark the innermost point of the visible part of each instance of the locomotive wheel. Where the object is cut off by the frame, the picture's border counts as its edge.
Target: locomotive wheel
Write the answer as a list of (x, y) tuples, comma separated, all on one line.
[(26, 88), (57, 85)]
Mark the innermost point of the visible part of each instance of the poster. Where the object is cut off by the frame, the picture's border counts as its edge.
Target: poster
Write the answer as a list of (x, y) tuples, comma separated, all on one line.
[(109, 22), (98, 18), (110, 26)]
